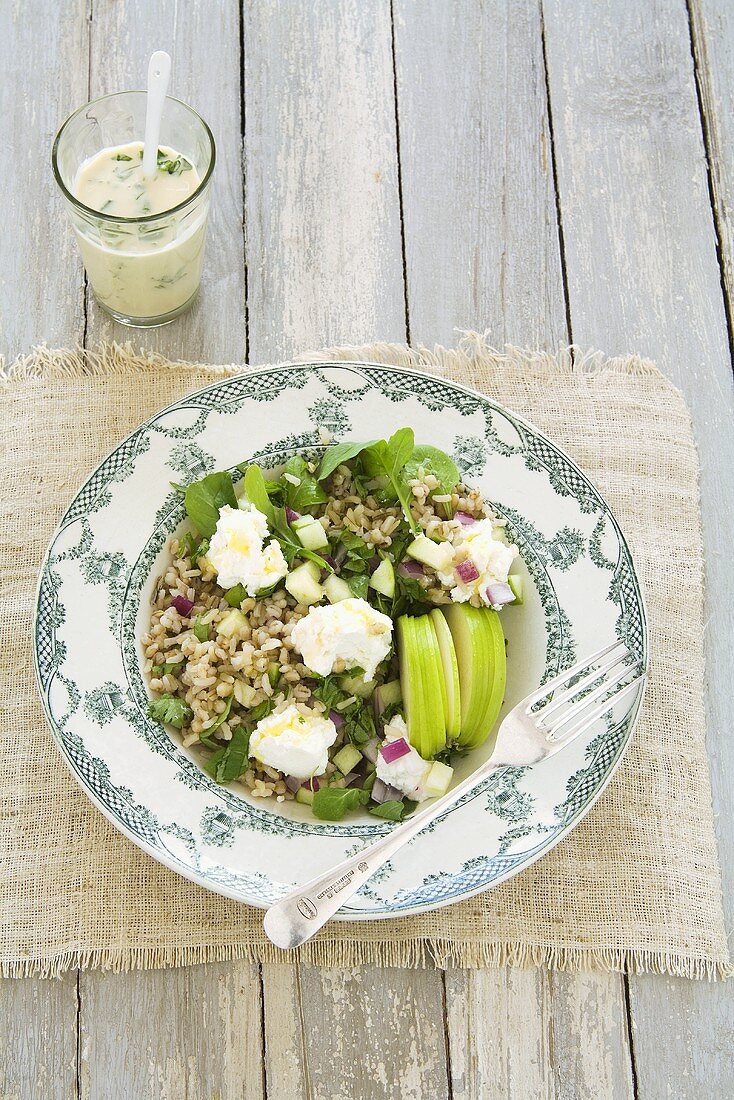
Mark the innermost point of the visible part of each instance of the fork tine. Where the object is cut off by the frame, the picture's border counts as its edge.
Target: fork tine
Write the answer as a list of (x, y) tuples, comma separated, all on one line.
[(562, 678), (558, 700), (588, 720), (580, 706)]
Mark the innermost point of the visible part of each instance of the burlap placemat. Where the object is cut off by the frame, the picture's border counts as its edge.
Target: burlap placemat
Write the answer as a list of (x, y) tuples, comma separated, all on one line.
[(636, 886)]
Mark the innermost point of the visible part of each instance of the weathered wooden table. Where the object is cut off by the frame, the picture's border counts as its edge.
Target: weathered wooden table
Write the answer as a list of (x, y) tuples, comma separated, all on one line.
[(553, 170)]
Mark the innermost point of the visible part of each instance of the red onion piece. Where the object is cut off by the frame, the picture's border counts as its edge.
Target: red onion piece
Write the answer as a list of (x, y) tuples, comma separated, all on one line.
[(411, 569), (182, 605), (383, 792), (311, 784), (351, 778), (337, 718), (370, 750), (465, 518), (393, 750), (293, 784), (467, 571), (374, 562), (329, 560), (339, 555), (290, 515), (499, 594)]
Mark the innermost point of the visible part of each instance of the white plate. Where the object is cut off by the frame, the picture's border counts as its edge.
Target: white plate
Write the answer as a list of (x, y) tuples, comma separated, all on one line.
[(93, 606)]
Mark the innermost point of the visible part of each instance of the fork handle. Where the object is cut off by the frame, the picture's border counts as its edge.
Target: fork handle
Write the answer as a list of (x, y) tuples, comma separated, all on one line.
[(299, 915)]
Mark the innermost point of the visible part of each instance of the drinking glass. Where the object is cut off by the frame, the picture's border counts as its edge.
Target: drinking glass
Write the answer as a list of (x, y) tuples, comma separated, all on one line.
[(143, 271)]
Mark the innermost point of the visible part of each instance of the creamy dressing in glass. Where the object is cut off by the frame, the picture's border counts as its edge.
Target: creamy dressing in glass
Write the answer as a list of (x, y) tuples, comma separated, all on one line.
[(141, 269)]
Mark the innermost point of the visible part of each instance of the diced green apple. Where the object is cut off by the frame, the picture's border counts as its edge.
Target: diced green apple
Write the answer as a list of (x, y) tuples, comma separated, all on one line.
[(336, 589), (480, 654), (437, 555), (347, 759), (438, 779), (231, 623), (355, 685), (450, 673), (304, 795), (302, 586), (387, 695), (310, 533), (515, 582), (383, 579)]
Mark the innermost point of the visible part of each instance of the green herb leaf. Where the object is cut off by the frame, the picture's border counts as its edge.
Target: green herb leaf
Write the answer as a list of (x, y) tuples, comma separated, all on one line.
[(204, 499), (390, 811), (308, 494), (257, 494), (201, 630), (332, 803), (235, 596), (230, 762), (262, 710), (339, 453), (328, 692), (169, 709), (434, 462), (189, 547), (359, 723), (122, 156), (219, 720), (359, 585)]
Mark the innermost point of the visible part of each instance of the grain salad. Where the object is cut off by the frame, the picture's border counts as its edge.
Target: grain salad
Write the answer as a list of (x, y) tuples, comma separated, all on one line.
[(312, 631)]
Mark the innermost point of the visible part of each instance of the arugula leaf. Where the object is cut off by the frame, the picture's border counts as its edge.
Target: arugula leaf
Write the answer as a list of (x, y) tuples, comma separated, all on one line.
[(169, 709), (338, 453), (389, 459), (257, 493), (359, 554), (219, 720), (204, 499), (189, 547), (230, 761), (434, 462), (308, 494), (331, 803), (235, 596), (201, 630)]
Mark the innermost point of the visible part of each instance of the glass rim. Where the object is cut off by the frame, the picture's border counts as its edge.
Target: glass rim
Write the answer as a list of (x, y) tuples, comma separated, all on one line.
[(145, 217)]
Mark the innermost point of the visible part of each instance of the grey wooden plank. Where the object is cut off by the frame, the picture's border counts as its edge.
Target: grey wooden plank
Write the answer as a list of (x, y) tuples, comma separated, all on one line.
[(324, 266), (151, 1034), (203, 40), (183, 1033), (481, 239), (38, 1049), (43, 53), (482, 250), (373, 1033), (712, 28), (323, 218), (629, 148)]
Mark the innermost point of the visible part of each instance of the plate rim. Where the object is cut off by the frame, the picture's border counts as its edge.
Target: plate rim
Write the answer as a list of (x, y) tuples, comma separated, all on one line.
[(346, 913)]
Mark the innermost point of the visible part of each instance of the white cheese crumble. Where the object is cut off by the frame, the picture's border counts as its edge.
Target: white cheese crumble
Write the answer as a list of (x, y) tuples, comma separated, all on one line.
[(238, 554), (350, 630), (491, 557), (294, 743), (407, 774)]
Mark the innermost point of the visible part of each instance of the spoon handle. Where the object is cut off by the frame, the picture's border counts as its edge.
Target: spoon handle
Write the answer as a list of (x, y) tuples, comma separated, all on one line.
[(159, 73)]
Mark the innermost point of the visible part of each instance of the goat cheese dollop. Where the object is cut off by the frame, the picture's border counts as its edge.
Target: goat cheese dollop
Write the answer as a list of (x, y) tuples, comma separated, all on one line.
[(350, 630), (294, 743), (491, 557), (408, 773), (239, 554)]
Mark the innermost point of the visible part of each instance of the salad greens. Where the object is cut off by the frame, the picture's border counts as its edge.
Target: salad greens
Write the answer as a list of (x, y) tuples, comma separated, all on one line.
[(230, 761), (331, 803), (204, 499), (170, 709)]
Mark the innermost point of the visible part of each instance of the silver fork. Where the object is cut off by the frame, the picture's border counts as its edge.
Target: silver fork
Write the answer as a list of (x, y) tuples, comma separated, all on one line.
[(529, 733)]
